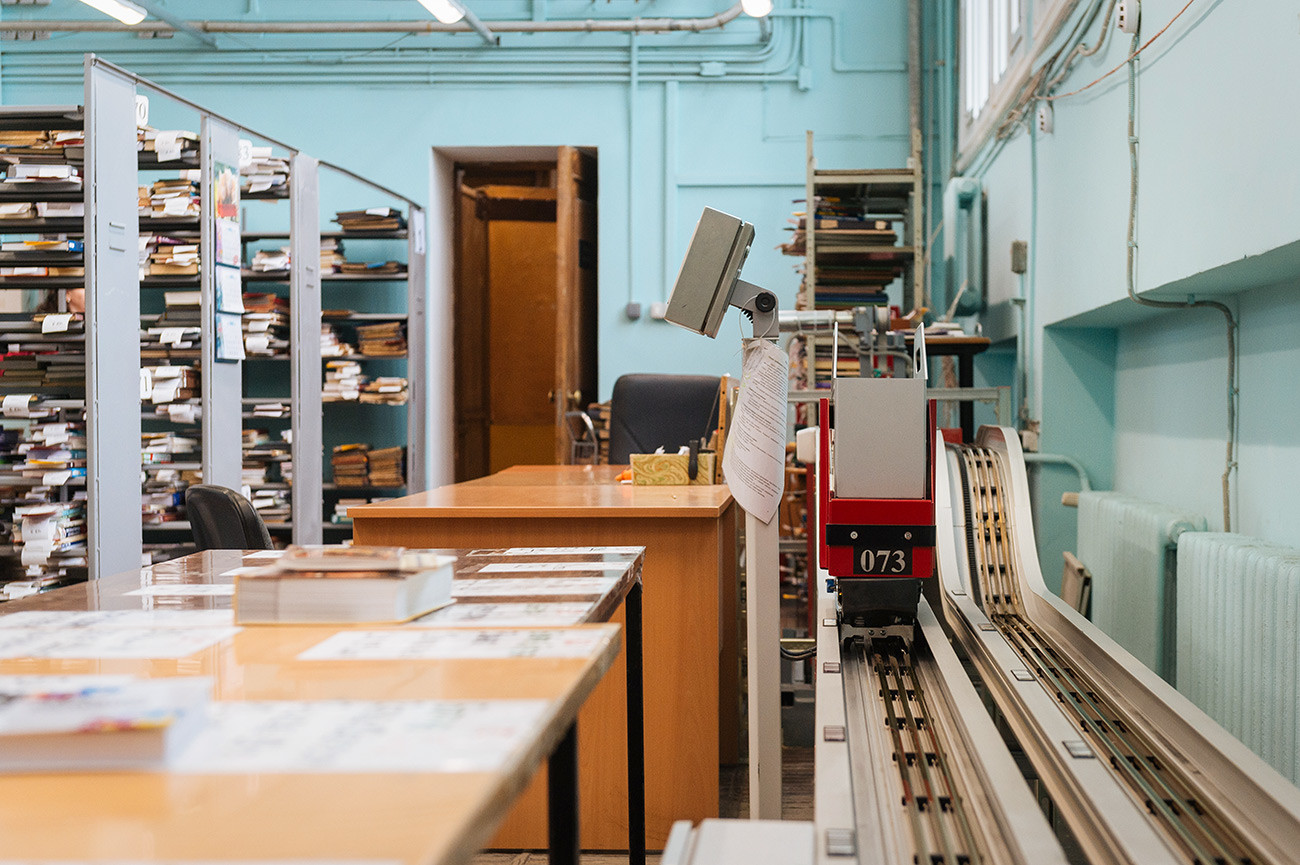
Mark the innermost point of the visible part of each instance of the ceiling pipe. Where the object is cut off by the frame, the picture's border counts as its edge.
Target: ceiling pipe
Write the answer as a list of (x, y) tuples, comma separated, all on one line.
[(178, 24), (587, 25)]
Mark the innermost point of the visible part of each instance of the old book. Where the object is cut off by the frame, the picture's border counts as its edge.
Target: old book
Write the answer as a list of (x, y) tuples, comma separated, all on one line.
[(344, 585)]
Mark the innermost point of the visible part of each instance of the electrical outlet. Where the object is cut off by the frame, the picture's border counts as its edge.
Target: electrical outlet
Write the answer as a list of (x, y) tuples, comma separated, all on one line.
[(1127, 13), (1045, 119)]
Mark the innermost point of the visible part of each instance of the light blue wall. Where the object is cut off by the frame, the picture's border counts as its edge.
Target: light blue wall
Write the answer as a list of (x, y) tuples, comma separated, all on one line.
[(676, 142), (1138, 397)]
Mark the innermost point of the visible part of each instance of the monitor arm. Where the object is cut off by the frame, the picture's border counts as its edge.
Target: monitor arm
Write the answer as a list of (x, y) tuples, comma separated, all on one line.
[(758, 305)]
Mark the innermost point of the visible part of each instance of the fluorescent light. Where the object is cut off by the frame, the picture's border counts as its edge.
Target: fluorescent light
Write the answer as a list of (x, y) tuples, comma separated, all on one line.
[(446, 11), (756, 8), (123, 10)]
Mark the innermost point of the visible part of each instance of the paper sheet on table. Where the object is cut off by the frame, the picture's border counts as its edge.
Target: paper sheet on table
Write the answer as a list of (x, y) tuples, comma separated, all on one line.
[(184, 590), (420, 644), (536, 567), (532, 587), (754, 460), (109, 642), (361, 736), (560, 551), (118, 619), (553, 614)]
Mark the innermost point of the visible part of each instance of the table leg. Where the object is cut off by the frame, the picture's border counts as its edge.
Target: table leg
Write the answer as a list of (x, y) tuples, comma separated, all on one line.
[(966, 378), (562, 799), (635, 729)]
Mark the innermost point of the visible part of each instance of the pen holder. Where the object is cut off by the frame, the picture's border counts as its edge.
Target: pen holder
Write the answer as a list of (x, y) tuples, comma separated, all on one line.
[(672, 469)]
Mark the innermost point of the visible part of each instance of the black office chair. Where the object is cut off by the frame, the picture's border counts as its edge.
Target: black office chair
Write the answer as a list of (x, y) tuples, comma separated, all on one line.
[(222, 519), (649, 411)]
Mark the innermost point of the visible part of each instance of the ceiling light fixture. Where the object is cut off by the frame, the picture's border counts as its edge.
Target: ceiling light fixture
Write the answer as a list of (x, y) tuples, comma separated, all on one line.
[(756, 8), (446, 11), (123, 10)]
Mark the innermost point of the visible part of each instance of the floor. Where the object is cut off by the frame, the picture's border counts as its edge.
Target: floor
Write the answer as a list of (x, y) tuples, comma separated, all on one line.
[(796, 804)]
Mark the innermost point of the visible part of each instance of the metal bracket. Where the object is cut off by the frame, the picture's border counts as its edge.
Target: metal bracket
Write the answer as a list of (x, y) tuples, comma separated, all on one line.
[(760, 305)]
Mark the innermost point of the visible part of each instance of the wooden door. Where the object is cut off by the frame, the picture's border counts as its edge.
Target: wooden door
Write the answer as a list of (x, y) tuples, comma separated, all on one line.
[(575, 289)]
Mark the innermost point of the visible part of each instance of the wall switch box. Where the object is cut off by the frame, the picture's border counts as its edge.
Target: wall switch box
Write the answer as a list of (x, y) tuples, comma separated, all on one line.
[(1045, 118), (632, 310), (1127, 14)]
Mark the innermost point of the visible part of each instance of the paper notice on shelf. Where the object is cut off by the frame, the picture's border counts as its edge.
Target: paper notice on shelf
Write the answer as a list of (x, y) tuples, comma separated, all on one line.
[(109, 642), (561, 551), (228, 246), (230, 290), (167, 144), (421, 644), (56, 322), (118, 619), (182, 412), (532, 587), (754, 460), (55, 478), (539, 567), (53, 433), (335, 736), (171, 335), (16, 405), (504, 615), (257, 342), (206, 590)]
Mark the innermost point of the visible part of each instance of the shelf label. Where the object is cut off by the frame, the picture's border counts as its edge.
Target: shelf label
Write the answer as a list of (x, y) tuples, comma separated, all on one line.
[(56, 322)]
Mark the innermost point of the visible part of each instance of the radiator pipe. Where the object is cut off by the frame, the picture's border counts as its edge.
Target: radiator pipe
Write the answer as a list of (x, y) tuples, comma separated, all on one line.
[(1061, 459)]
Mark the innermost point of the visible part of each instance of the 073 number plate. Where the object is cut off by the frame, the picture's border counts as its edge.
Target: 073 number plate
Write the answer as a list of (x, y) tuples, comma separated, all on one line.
[(882, 561)]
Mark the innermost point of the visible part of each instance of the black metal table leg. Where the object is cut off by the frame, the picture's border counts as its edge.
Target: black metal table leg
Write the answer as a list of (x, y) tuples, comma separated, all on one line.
[(635, 729), (966, 378), (562, 799)]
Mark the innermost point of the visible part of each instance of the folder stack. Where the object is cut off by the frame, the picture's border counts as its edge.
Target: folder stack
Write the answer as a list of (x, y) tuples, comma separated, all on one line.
[(343, 381), (387, 339), (371, 219), (388, 467), (385, 390), (350, 464)]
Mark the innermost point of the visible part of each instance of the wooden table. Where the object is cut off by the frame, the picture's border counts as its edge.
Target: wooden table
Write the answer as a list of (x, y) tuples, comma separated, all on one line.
[(403, 816), (690, 625)]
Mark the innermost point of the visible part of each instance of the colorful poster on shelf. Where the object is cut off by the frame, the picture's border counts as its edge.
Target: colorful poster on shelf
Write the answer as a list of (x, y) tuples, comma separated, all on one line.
[(225, 179)]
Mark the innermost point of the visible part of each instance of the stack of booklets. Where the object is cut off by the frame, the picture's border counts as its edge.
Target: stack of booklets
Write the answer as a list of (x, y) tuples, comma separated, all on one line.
[(175, 259), (350, 463), (387, 339), (42, 209), (330, 343), (137, 724), (271, 504), (345, 585), (331, 254), (47, 528), (32, 142), (263, 457), (181, 308), (167, 145), (170, 342), (39, 177), (169, 384), (161, 506), (385, 390), (340, 516), (372, 268), (53, 454), (371, 219), (264, 173), (171, 197), (343, 381), (266, 334), (271, 260), (388, 467), (20, 254)]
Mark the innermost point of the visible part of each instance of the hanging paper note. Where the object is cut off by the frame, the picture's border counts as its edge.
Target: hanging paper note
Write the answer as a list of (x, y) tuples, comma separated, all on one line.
[(754, 461)]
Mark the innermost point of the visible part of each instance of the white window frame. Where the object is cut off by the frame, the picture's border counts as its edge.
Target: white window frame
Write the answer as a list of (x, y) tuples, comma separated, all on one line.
[(995, 59)]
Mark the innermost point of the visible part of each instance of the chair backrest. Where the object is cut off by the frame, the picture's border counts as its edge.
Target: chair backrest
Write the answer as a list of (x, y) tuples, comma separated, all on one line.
[(222, 519), (649, 411)]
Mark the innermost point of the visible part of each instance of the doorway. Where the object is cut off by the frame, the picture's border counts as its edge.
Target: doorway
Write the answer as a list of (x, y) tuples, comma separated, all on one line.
[(524, 312)]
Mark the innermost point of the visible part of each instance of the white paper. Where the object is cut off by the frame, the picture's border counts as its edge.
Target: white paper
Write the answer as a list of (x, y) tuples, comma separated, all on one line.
[(337, 736), (182, 412), (167, 145), (524, 587), (109, 642), (183, 590), (230, 290), (118, 619), (56, 322), (55, 478), (561, 551), (15, 405), (549, 567), (553, 614), (170, 335), (430, 644), (754, 460), (256, 342), (228, 246), (38, 684), (264, 554), (230, 337)]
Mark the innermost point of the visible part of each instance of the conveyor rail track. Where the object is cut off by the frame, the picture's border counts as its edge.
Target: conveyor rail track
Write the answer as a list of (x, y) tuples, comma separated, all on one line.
[(1167, 792)]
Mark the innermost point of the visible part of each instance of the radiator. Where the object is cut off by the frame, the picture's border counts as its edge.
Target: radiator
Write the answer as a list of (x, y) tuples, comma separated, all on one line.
[(1238, 650), (1127, 544)]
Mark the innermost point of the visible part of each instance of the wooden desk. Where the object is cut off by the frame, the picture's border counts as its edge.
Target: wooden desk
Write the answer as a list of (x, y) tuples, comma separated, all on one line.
[(409, 816), (690, 632)]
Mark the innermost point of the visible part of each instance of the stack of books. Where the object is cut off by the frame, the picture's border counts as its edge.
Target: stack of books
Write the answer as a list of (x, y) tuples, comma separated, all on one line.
[(169, 384), (263, 457), (178, 196), (50, 532), (38, 177), (350, 464), (371, 219), (330, 343), (173, 343), (343, 381), (388, 467), (271, 260), (266, 326), (53, 455), (167, 145), (170, 258), (272, 505), (331, 254), (340, 516), (264, 173), (387, 339), (385, 390), (163, 504), (344, 584), (372, 268), (15, 255)]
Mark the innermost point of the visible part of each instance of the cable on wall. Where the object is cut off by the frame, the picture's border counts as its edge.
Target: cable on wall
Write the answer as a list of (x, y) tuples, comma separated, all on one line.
[(1230, 462)]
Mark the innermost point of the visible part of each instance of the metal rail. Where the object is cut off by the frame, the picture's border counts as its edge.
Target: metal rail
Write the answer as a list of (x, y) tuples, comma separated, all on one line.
[(1170, 795)]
